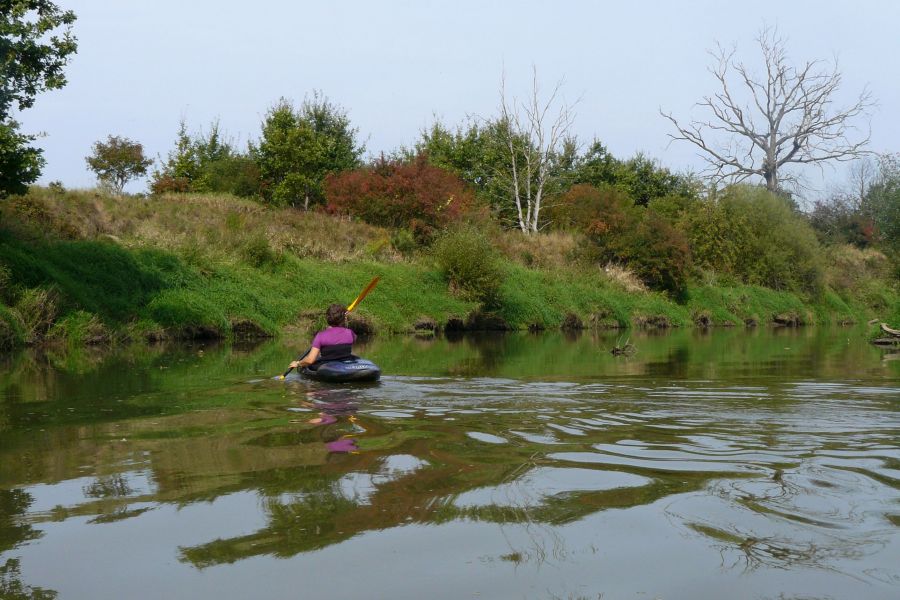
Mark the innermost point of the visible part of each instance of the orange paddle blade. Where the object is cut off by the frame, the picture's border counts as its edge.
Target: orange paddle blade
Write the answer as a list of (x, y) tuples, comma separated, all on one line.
[(364, 293)]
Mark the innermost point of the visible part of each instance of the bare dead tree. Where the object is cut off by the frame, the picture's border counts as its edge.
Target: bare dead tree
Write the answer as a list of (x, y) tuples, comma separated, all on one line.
[(785, 117), (533, 138), (862, 175)]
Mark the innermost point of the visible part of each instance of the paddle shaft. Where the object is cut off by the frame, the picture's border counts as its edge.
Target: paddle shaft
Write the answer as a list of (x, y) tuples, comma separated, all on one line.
[(288, 372)]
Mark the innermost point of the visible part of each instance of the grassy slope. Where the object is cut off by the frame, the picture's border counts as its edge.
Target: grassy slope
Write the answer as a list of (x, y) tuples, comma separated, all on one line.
[(178, 263)]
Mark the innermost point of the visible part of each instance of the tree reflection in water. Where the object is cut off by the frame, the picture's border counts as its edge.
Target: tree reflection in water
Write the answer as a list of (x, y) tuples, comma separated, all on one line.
[(15, 531), (534, 438)]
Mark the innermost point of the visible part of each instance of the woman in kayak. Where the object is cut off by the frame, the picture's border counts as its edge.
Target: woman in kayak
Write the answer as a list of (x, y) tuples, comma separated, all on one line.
[(335, 342)]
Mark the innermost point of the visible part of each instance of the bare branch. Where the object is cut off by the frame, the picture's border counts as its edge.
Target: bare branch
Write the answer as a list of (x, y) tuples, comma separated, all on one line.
[(789, 117), (533, 140)]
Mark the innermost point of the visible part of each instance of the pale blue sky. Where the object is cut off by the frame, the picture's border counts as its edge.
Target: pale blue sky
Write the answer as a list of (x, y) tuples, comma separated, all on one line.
[(393, 65)]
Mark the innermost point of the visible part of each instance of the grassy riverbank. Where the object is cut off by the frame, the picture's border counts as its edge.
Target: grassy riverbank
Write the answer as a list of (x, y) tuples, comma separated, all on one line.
[(83, 267)]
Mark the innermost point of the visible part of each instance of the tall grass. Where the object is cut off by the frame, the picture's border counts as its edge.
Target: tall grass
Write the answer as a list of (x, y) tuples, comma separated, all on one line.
[(223, 226), (88, 268)]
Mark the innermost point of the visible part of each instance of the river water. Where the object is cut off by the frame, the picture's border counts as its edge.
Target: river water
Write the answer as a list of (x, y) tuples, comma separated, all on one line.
[(727, 464)]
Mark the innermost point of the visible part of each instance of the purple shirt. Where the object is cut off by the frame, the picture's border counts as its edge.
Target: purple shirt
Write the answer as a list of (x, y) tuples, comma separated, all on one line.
[(333, 336)]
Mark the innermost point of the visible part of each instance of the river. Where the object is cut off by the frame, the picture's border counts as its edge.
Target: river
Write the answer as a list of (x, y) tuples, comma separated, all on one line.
[(722, 464)]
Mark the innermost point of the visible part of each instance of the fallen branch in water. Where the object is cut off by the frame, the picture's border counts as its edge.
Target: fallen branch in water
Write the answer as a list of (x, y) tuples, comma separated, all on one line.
[(627, 349), (889, 331)]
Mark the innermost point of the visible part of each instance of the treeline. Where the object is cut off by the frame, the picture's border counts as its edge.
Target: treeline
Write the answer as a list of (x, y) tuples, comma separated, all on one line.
[(667, 228)]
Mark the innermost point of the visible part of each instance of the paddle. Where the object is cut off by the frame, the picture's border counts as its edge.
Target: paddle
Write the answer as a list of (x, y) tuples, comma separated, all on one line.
[(350, 308)]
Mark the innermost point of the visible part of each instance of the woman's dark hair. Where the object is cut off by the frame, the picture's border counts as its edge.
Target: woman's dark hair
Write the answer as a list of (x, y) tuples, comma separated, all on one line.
[(336, 315)]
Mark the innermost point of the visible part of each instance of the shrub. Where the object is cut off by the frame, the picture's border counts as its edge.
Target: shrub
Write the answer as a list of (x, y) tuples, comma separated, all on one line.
[(470, 264), (11, 334), (756, 236), (623, 233), (233, 174), (589, 208), (207, 163), (167, 184), (5, 282), (395, 194), (838, 220), (671, 207), (849, 267), (658, 252), (80, 328), (403, 241), (258, 252), (37, 309)]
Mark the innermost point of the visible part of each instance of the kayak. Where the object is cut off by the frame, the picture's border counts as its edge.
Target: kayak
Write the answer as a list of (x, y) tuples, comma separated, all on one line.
[(344, 371)]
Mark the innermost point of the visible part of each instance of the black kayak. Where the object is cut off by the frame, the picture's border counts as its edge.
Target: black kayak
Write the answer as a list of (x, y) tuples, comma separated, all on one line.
[(344, 371)]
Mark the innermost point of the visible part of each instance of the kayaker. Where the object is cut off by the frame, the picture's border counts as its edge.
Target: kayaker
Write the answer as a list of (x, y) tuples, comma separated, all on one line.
[(335, 342)]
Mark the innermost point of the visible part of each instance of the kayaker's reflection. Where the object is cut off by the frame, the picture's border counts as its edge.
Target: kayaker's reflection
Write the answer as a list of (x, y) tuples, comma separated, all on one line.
[(334, 405)]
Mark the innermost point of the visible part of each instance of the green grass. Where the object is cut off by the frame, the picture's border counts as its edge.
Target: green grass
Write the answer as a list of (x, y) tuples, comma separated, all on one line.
[(148, 288), (187, 266), (544, 298)]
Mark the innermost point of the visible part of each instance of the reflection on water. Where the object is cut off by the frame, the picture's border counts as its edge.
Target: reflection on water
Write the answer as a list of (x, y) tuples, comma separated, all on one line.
[(734, 464)]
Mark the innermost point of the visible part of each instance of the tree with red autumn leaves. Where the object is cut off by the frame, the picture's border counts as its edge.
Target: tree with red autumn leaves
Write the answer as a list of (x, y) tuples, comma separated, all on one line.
[(412, 194)]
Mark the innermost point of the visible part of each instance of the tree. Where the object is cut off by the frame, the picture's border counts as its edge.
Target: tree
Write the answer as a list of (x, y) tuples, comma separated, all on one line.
[(117, 161), (840, 220), (622, 232), (883, 202), (534, 141), (35, 43), (641, 177), (207, 162), (180, 168), (415, 194), (788, 117), (748, 232), (299, 148), (20, 164), (477, 154), (844, 217)]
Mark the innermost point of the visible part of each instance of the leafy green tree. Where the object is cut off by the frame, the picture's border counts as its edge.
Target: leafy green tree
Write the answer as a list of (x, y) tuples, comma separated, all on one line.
[(883, 203), (35, 43), (622, 232), (474, 152), (478, 152), (207, 163), (182, 166), (300, 147), (641, 177), (20, 164), (839, 221), (117, 161), (757, 236)]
